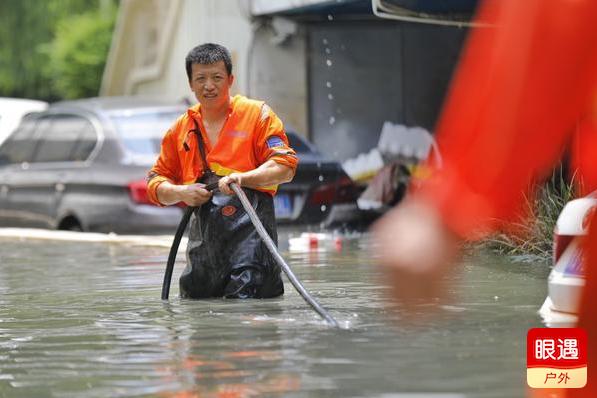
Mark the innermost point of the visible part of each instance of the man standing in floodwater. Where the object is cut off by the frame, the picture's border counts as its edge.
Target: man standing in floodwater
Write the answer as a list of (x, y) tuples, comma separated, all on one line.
[(224, 140)]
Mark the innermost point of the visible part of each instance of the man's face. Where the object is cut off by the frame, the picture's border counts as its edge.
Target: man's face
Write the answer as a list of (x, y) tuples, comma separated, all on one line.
[(211, 84)]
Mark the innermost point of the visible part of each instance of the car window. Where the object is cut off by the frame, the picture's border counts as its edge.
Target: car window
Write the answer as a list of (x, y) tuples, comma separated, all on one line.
[(142, 133), (19, 147), (86, 141), (58, 141)]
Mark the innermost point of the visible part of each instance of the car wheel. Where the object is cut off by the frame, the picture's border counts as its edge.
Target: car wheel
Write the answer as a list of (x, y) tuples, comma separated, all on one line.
[(70, 224)]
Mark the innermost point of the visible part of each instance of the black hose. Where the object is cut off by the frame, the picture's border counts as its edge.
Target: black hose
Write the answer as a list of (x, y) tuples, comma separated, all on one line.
[(174, 250), (182, 226), (274, 251)]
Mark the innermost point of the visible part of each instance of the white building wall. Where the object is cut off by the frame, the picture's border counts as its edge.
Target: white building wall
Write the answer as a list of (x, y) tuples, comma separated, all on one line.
[(169, 29), (263, 7), (278, 74)]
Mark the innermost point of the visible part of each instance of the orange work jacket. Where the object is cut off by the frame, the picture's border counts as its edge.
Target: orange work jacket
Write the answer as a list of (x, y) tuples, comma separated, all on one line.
[(251, 135)]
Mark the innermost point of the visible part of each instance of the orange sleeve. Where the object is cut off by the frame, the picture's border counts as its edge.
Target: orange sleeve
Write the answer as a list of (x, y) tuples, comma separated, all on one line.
[(517, 94), (166, 167), (272, 142)]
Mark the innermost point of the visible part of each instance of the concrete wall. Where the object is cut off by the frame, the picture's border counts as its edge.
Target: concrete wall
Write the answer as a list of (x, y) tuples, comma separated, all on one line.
[(278, 73)]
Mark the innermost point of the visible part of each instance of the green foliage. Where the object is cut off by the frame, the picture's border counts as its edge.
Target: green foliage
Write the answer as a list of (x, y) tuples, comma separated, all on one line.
[(534, 234), (23, 26), (78, 53), (33, 32)]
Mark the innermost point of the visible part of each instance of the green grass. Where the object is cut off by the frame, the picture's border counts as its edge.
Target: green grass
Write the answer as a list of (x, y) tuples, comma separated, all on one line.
[(534, 233)]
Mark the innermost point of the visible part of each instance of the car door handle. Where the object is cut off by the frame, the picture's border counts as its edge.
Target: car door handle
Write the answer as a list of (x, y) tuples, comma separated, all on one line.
[(60, 182)]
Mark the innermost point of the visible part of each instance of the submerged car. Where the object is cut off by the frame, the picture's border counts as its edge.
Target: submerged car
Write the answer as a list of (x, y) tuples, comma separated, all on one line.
[(567, 277), (81, 165)]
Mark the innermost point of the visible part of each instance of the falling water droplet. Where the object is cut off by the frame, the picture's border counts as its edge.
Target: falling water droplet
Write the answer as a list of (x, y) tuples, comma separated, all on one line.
[(323, 208), (320, 178), (330, 97), (332, 120), (328, 62), (328, 84), (330, 17)]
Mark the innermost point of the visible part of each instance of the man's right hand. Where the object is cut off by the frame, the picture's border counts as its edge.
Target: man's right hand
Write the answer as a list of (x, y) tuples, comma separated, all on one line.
[(194, 194)]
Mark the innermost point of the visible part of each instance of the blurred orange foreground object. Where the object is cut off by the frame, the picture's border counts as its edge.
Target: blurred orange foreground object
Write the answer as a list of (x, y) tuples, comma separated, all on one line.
[(520, 92)]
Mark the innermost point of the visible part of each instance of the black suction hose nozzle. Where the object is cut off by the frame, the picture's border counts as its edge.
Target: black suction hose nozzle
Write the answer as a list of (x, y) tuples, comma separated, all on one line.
[(174, 250)]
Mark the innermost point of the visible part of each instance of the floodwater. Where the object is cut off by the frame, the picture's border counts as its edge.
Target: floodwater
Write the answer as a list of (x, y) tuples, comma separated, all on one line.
[(81, 319)]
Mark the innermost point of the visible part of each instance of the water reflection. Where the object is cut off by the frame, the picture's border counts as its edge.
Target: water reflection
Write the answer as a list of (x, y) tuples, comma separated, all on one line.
[(245, 359), (86, 319)]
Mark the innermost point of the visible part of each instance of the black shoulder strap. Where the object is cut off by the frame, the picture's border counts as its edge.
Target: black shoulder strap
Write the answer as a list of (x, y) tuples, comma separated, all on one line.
[(201, 145)]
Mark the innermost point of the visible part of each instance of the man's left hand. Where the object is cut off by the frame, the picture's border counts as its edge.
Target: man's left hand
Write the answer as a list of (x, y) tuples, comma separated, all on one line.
[(224, 183)]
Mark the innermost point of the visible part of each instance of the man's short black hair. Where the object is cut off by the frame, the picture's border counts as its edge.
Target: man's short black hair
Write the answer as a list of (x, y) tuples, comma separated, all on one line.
[(207, 54)]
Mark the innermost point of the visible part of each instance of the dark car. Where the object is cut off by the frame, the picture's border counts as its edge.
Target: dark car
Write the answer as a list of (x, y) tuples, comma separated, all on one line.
[(81, 165), (321, 192)]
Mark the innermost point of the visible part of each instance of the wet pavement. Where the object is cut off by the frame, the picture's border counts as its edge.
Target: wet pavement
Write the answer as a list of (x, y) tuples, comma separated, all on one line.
[(85, 319)]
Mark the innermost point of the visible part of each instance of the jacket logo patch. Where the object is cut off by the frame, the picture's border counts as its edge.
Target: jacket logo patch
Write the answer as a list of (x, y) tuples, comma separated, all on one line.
[(227, 211), (275, 141)]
